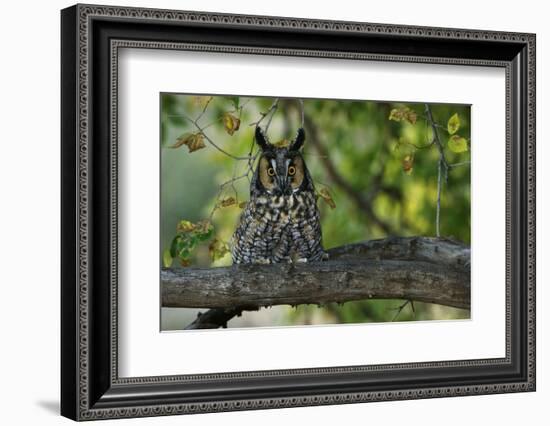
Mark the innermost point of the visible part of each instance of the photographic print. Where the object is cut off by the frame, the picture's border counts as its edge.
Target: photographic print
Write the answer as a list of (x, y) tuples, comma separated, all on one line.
[(274, 209), (308, 193)]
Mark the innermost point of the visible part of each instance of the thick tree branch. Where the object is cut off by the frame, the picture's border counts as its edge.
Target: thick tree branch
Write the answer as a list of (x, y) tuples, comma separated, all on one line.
[(430, 270)]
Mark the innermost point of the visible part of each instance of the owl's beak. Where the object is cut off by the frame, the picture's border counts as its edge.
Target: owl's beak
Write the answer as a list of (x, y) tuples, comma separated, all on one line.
[(284, 186)]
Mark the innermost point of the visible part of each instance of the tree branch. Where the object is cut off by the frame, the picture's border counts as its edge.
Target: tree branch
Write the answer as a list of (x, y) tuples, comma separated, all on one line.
[(423, 269), (359, 198), (214, 318), (442, 166)]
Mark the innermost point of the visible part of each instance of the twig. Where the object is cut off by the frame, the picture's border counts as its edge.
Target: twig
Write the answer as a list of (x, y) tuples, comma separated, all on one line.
[(271, 111), (211, 142), (415, 145), (251, 158), (462, 163), (204, 109), (442, 166), (400, 308), (222, 186), (438, 208)]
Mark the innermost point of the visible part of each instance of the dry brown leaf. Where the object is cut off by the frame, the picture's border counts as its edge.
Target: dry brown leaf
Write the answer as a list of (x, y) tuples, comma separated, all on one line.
[(226, 202), (407, 164), (324, 193), (194, 141), (218, 249)]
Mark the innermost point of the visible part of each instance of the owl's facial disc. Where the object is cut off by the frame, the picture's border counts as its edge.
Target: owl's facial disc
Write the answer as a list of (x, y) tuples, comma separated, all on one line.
[(281, 173)]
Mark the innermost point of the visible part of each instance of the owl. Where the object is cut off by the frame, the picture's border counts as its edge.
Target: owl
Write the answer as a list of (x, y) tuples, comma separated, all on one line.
[(281, 222)]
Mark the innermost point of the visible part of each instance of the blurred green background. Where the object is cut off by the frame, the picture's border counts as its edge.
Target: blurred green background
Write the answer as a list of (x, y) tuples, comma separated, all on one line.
[(363, 152)]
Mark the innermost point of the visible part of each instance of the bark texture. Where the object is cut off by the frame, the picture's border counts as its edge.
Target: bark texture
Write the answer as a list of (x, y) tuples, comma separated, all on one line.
[(434, 270)]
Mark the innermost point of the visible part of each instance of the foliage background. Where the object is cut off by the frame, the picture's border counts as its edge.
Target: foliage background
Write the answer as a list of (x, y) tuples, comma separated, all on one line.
[(382, 175)]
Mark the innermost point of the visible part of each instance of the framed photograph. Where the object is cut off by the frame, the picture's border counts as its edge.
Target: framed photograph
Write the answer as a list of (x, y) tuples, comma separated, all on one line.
[(263, 212)]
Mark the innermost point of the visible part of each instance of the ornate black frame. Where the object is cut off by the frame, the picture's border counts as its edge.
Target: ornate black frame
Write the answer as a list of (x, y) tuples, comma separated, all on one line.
[(91, 37)]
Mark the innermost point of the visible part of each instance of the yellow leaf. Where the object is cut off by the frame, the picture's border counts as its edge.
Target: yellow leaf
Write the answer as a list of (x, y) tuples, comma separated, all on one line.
[(324, 193), (457, 144), (204, 226), (166, 258), (231, 123), (218, 249), (411, 117), (185, 226), (407, 164), (395, 115), (453, 124), (400, 114)]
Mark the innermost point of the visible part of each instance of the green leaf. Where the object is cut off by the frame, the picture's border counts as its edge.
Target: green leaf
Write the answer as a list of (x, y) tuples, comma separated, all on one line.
[(184, 254), (204, 230), (166, 258), (457, 144), (205, 235), (182, 244), (453, 124), (193, 241), (174, 246), (235, 100)]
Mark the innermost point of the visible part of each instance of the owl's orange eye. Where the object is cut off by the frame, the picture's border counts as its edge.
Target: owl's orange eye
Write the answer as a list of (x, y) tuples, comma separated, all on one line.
[(271, 171), (291, 171)]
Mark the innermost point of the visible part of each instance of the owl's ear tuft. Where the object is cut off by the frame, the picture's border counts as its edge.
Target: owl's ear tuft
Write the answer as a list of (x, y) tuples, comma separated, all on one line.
[(298, 140), (261, 140)]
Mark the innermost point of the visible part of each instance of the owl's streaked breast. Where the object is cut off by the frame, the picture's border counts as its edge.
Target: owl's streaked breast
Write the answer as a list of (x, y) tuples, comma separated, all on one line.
[(275, 229)]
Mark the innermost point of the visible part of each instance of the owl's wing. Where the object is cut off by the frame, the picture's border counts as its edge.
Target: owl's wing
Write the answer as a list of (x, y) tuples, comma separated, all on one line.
[(306, 230), (247, 244)]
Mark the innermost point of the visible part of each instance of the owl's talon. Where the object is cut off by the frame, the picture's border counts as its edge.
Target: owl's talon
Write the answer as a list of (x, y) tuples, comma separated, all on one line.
[(262, 261), (325, 256), (301, 260)]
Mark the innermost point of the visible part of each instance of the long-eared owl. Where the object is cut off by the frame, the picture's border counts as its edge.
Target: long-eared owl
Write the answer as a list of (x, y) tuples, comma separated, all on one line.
[(281, 222)]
